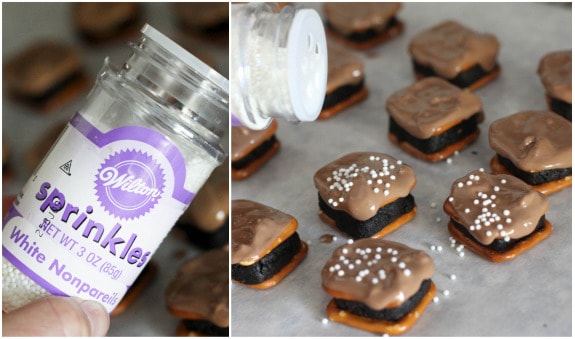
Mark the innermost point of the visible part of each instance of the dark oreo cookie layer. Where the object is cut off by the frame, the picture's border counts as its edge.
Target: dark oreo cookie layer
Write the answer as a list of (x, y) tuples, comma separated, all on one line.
[(534, 178), (206, 328), (341, 94), (365, 229), (390, 314), (438, 142), (255, 153), (207, 240), (463, 79), (270, 264), (561, 107), (500, 245)]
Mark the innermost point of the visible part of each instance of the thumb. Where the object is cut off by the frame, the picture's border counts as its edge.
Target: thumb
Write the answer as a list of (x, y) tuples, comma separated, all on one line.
[(57, 316)]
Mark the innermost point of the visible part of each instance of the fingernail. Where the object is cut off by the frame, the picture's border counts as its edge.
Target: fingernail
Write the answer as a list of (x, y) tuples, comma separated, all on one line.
[(98, 317)]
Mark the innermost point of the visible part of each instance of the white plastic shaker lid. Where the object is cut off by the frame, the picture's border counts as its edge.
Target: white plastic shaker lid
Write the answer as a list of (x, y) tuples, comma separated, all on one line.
[(307, 64)]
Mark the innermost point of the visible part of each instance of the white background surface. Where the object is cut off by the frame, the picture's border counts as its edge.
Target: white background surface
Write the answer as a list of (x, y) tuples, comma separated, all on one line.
[(529, 296)]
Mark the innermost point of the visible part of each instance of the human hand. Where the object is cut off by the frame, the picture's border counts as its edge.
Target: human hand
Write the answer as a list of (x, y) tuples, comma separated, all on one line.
[(55, 316)]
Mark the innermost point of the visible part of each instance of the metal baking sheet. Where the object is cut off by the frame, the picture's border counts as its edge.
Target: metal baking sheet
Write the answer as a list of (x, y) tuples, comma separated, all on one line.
[(529, 296), (24, 23)]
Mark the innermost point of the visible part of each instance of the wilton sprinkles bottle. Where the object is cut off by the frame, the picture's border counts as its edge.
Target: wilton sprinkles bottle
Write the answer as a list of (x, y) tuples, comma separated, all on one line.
[(125, 168)]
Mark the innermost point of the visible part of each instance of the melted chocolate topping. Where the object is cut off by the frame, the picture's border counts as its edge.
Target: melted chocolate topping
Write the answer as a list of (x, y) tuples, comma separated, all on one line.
[(495, 206), (376, 272), (210, 208), (201, 287), (431, 106), (450, 48), (360, 183), (555, 73), (348, 18), (343, 68), (533, 140), (37, 69), (245, 140)]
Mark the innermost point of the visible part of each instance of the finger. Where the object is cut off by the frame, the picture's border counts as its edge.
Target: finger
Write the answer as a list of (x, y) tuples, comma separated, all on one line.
[(6, 203), (57, 316)]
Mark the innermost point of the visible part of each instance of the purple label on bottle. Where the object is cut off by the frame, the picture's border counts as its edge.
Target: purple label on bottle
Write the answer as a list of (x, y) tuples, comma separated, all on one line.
[(236, 122), (129, 184), (150, 137), (94, 212)]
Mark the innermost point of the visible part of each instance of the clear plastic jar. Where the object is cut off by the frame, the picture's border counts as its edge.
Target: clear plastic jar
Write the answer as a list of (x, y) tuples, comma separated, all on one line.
[(122, 172), (278, 61)]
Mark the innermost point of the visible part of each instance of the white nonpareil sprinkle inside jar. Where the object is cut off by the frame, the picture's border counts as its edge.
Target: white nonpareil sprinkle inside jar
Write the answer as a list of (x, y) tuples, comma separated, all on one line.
[(17, 289)]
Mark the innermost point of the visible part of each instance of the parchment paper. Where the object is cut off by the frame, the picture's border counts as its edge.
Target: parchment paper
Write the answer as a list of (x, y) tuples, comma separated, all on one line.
[(529, 296)]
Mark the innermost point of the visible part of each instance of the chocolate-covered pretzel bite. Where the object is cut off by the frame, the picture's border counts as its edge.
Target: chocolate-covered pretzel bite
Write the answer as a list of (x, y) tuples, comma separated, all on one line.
[(496, 215), (377, 285), (345, 81), (265, 244), (534, 146), (252, 149), (455, 53), (555, 73), (432, 119), (199, 295), (362, 25), (366, 194)]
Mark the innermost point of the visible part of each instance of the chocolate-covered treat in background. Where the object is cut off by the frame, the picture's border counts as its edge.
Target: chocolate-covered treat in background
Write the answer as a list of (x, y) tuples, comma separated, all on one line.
[(252, 149), (555, 73), (207, 19), (7, 172), (362, 25), (534, 146), (45, 75), (42, 145), (455, 53), (497, 216), (100, 22), (138, 287), (432, 119), (345, 81), (206, 220), (265, 244), (199, 295), (366, 194), (378, 286)]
